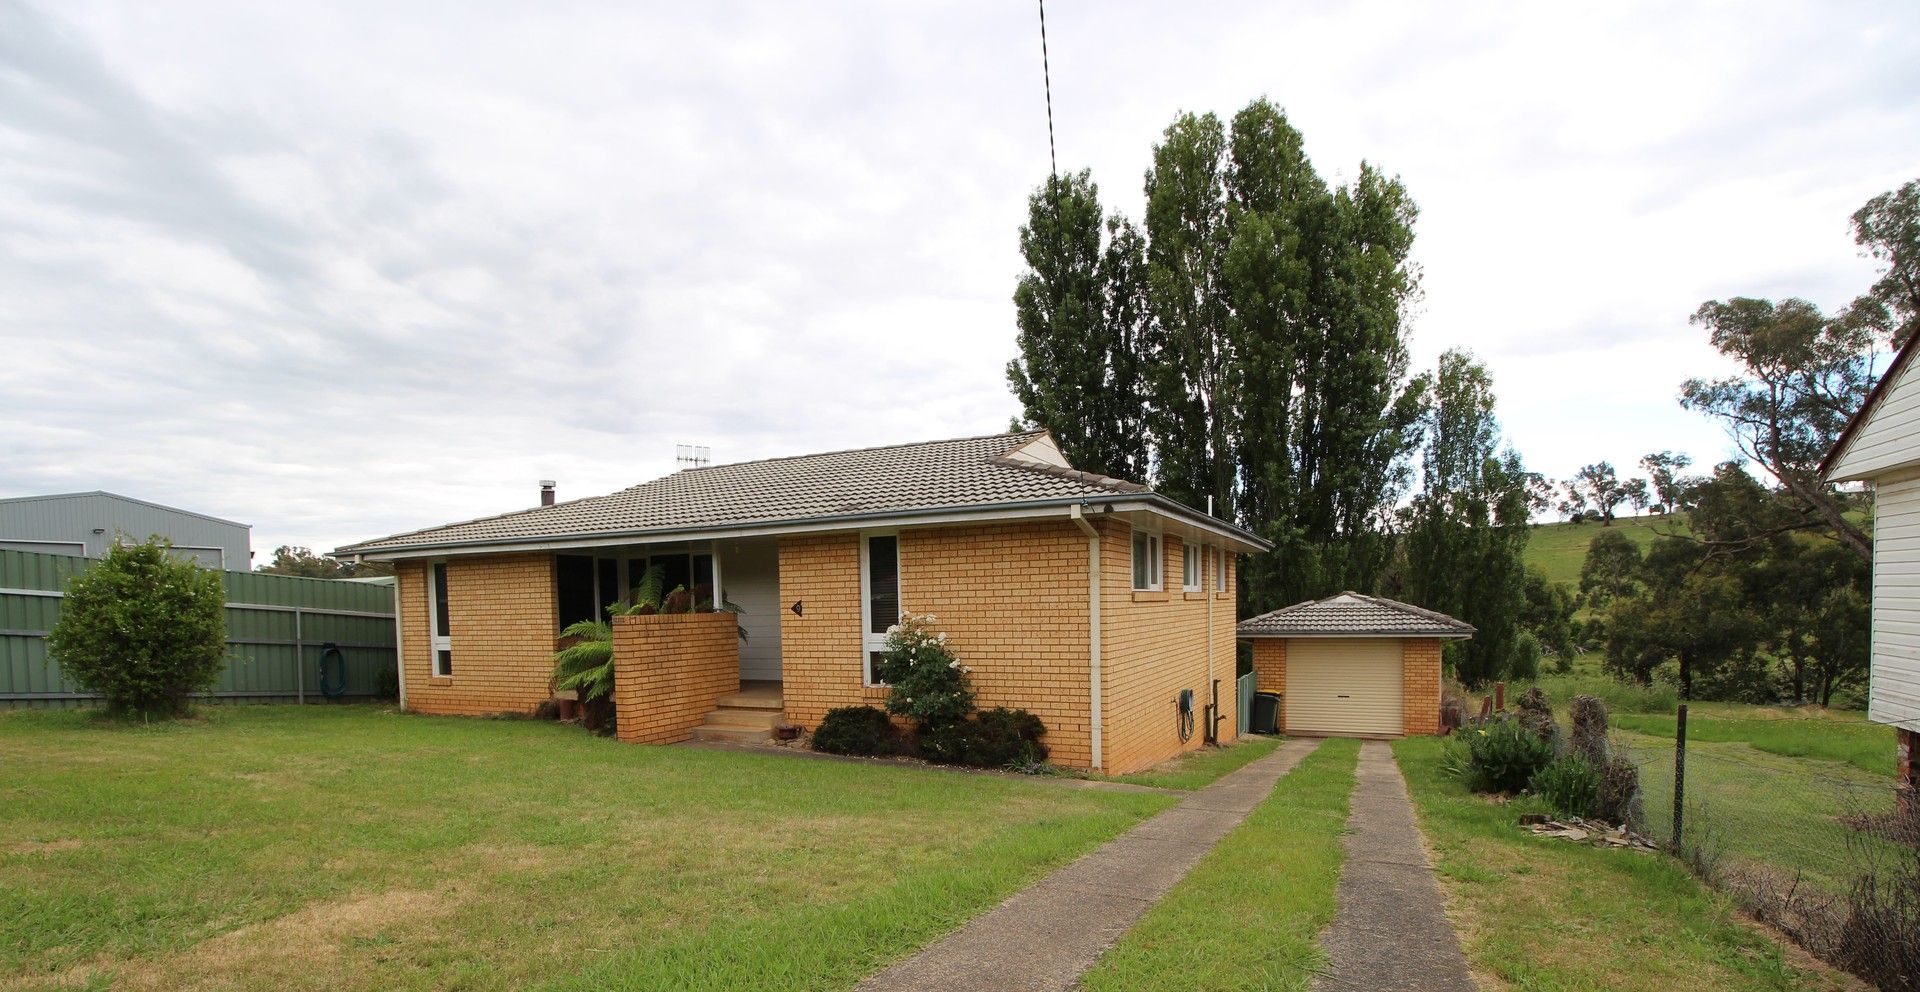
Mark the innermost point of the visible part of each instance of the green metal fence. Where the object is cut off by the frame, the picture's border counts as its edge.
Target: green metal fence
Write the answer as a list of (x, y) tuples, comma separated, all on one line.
[(277, 630)]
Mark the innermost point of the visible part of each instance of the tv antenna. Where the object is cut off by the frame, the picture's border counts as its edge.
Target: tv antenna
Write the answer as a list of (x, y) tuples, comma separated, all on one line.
[(692, 455)]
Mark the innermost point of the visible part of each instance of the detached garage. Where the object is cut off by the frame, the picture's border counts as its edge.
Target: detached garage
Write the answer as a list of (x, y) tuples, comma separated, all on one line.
[(1352, 665)]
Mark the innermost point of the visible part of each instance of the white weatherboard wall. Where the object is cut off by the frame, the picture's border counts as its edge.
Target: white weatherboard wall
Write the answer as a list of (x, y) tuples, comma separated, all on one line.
[(1890, 437), (1895, 695)]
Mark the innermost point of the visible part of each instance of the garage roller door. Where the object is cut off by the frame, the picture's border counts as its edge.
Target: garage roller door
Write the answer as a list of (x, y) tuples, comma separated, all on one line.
[(1344, 686)]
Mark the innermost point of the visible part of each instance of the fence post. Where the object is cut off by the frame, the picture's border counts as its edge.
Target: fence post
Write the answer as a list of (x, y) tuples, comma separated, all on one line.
[(1679, 776), (299, 661)]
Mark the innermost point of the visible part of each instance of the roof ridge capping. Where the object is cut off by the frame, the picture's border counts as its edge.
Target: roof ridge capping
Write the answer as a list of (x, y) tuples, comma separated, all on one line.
[(1074, 474), (1328, 618), (1027, 435)]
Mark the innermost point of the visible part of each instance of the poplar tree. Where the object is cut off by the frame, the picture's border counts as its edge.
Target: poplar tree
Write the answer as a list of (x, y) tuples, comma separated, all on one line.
[(1080, 309), (1467, 537)]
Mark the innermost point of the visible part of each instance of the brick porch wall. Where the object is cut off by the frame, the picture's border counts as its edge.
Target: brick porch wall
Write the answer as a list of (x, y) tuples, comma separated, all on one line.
[(501, 616), (670, 671)]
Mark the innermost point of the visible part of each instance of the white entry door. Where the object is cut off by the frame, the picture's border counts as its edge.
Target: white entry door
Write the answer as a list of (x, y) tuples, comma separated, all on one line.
[(1340, 686)]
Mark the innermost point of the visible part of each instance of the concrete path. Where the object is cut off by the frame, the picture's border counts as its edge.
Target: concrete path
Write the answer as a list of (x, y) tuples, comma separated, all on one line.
[(1043, 938), (1392, 931)]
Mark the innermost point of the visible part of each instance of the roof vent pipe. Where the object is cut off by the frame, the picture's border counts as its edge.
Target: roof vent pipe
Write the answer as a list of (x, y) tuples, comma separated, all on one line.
[(546, 492)]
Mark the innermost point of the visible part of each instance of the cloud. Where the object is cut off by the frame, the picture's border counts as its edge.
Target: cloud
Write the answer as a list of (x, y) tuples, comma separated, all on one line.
[(343, 270)]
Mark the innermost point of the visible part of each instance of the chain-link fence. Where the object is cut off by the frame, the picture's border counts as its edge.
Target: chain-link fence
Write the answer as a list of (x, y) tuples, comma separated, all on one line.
[(1819, 849)]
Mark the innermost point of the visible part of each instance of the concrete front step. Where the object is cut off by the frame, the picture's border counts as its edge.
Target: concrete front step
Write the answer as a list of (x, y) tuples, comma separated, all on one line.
[(732, 734), (753, 700), (727, 716)]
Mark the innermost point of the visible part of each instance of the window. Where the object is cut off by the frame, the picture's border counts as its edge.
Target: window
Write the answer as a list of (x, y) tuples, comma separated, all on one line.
[(1146, 560), (573, 588), (1219, 569), (437, 616), (879, 595), (1191, 573)]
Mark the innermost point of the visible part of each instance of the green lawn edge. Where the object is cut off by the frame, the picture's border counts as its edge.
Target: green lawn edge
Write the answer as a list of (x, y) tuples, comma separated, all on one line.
[(1201, 768), (1546, 914)]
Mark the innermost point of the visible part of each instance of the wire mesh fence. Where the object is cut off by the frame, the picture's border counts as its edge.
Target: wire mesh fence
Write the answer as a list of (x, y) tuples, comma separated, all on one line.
[(1820, 849)]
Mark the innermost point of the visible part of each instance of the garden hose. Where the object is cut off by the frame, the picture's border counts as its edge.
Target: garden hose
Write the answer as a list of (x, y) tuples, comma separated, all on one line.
[(333, 665)]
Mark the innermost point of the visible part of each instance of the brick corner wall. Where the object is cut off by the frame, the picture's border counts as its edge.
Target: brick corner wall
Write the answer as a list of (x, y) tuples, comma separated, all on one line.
[(1270, 670), (1420, 688), (502, 619), (669, 672)]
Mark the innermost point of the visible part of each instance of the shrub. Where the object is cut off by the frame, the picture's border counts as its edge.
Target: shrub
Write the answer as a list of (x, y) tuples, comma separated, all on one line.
[(1536, 714), (929, 685), (861, 730), (1569, 785), (143, 629), (1503, 756), (997, 738)]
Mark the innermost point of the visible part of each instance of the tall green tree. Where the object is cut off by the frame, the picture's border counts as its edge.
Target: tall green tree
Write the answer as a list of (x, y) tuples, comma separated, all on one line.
[(1467, 538), (1664, 470), (1888, 228), (1189, 377), (1801, 378), (1080, 312)]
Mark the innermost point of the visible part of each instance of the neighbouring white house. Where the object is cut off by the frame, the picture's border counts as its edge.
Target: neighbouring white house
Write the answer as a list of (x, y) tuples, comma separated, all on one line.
[(1881, 447)]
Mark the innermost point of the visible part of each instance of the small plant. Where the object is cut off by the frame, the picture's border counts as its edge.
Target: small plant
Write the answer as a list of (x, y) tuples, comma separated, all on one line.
[(586, 665), (1502, 756), (143, 629), (861, 730), (929, 685), (1570, 785), (997, 738)]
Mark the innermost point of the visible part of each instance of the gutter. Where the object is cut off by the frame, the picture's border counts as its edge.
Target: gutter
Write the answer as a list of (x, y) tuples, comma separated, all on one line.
[(1077, 513)]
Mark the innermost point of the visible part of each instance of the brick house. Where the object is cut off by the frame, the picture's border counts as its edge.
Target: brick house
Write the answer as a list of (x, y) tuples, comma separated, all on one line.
[(1352, 665), (1101, 606)]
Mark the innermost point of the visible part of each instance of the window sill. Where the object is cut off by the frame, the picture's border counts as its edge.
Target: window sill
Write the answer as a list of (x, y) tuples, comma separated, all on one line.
[(1193, 595), (1223, 595), (439, 680), (1149, 596)]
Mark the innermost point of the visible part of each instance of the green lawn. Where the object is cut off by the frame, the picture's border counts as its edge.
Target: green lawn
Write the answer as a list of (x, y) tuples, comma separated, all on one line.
[(352, 847), (1767, 820), (1250, 915), (1560, 549), (1549, 915), (1827, 735), (1198, 769)]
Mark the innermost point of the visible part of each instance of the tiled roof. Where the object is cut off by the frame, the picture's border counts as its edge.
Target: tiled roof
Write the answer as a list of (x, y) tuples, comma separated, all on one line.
[(930, 476), (1351, 614)]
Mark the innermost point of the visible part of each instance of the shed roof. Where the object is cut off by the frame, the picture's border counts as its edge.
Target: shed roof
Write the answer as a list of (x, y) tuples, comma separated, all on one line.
[(1351, 614), (1021, 469)]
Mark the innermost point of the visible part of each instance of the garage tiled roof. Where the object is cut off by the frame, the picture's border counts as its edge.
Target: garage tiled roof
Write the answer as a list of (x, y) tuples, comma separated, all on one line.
[(928, 476), (1351, 614)]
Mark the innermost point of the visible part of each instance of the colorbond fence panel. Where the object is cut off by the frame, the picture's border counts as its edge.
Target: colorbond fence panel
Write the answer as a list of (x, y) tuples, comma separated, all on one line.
[(277, 630)]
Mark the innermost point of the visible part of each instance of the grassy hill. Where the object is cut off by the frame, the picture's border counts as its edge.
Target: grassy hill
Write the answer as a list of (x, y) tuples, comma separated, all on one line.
[(1559, 549)]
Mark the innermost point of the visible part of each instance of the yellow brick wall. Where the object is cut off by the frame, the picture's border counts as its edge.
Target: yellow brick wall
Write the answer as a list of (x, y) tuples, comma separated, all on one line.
[(1012, 599), (502, 619), (1270, 670), (1420, 690), (670, 671), (1152, 645)]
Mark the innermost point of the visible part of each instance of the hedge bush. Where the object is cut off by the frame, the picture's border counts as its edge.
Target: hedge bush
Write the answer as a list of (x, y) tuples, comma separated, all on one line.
[(143, 629), (996, 738), (1570, 785), (860, 730)]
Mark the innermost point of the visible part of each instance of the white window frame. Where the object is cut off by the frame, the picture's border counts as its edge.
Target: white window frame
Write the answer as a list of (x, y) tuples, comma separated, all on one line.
[(871, 642), (1156, 560), (1193, 566), (439, 640), (1220, 569)]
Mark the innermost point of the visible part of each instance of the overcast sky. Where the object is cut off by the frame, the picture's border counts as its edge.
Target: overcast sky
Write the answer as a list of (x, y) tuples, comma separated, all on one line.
[(338, 270)]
